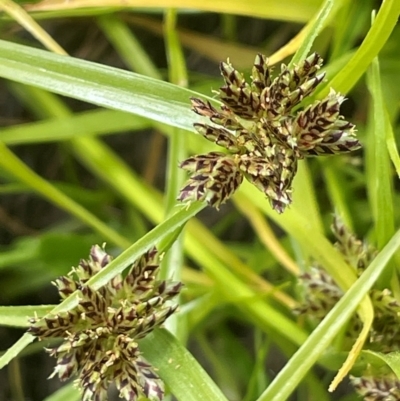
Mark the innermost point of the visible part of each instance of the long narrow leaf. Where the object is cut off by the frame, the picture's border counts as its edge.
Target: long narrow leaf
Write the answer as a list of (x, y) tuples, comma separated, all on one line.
[(377, 36), (97, 84), (392, 359), (391, 144), (285, 9), (381, 187), (178, 368), (17, 316), (94, 122), (25, 20), (315, 27)]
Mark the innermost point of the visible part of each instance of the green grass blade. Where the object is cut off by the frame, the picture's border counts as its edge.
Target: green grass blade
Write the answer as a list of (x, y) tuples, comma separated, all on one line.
[(127, 46), (172, 264), (16, 349), (392, 359), (94, 122), (318, 24), (336, 193), (377, 36), (288, 10), (296, 223), (26, 21), (98, 158), (97, 84), (176, 142), (17, 316), (23, 251), (391, 144), (304, 196), (95, 155), (176, 59), (381, 177), (180, 371), (347, 26), (234, 291)]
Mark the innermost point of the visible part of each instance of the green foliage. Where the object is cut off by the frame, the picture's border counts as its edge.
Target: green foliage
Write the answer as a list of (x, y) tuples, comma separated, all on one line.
[(236, 314)]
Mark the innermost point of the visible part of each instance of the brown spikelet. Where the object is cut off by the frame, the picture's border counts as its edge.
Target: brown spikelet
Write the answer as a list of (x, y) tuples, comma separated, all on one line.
[(99, 334), (263, 133), (215, 178), (377, 388)]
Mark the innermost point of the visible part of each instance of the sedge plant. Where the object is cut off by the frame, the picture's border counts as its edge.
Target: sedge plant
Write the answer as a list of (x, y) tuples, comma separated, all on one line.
[(242, 242)]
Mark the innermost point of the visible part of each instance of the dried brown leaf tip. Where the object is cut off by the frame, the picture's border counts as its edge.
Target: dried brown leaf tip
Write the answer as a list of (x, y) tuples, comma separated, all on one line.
[(100, 334), (263, 134)]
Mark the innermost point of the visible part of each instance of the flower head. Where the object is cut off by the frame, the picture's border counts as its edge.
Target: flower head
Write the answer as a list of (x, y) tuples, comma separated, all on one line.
[(100, 334), (263, 134), (377, 388), (321, 293)]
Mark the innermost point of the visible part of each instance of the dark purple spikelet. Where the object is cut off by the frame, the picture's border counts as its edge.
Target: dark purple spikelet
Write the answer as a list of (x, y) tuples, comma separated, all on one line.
[(215, 178), (100, 334), (263, 134), (377, 388), (321, 293)]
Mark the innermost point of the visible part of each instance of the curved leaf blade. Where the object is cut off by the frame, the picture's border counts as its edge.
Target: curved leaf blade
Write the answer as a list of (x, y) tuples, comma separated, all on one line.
[(291, 10), (97, 84), (17, 316), (178, 368)]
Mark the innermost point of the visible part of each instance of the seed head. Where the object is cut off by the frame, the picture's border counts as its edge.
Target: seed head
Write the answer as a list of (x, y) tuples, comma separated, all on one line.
[(377, 388), (263, 134), (100, 334)]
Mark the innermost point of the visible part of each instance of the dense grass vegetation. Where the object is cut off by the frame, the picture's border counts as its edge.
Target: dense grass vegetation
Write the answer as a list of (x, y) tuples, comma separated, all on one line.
[(300, 302)]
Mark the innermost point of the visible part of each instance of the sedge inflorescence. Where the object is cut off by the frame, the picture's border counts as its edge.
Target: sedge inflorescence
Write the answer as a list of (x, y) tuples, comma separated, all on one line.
[(100, 334), (264, 133), (321, 293)]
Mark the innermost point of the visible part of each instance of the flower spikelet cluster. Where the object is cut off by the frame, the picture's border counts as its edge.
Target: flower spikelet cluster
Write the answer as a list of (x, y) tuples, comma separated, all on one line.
[(264, 133), (321, 293), (373, 388), (100, 334)]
